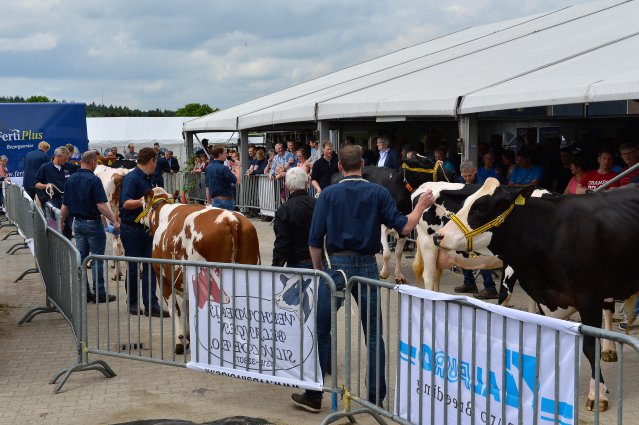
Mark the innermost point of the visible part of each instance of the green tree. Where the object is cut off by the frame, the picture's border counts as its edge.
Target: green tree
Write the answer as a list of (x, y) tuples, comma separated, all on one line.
[(195, 110), (38, 99)]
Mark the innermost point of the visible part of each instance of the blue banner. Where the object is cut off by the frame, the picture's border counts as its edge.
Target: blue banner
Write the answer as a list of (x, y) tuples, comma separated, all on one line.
[(24, 125)]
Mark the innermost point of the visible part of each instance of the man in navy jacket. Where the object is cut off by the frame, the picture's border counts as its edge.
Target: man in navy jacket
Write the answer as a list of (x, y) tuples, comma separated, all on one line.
[(32, 163)]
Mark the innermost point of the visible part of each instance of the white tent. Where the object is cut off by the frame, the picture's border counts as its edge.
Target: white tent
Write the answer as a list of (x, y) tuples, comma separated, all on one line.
[(577, 54), (105, 133)]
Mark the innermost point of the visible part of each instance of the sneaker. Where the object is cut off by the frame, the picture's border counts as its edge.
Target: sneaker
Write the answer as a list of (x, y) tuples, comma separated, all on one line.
[(487, 294), (312, 404), (624, 325), (466, 289)]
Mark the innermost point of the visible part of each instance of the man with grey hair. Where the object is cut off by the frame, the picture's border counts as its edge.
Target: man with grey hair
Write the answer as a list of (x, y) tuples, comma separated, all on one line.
[(387, 156), (292, 222), (468, 173), (50, 180)]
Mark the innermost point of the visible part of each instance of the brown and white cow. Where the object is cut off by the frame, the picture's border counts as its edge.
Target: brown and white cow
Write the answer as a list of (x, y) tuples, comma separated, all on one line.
[(111, 179), (194, 233)]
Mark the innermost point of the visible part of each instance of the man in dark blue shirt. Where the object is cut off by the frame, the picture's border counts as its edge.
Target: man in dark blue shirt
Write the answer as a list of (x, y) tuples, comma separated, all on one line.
[(137, 241), (85, 200), (32, 162), (50, 180), (220, 181), (324, 168), (349, 214), (174, 165)]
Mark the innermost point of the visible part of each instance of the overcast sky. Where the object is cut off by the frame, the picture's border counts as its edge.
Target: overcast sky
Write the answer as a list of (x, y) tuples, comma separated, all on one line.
[(160, 54)]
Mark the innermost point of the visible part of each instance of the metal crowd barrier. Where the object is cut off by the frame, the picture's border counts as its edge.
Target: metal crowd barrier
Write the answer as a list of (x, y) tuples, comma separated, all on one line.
[(110, 329), (432, 351), (54, 216)]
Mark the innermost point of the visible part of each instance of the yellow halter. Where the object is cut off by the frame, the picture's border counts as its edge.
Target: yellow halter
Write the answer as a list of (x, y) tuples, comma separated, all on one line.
[(495, 222), (432, 171), (151, 206)]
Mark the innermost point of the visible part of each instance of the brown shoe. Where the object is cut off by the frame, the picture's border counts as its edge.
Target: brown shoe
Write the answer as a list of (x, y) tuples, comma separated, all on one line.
[(466, 289), (487, 294)]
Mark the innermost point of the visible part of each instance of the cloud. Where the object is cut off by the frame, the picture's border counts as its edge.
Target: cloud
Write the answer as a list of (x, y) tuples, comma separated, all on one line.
[(30, 43)]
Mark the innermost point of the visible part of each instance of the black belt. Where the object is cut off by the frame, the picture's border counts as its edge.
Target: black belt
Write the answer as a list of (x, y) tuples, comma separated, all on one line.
[(346, 253), (86, 217)]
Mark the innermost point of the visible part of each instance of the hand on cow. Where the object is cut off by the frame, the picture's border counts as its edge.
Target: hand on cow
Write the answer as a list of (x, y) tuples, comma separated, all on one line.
[(426, 200)]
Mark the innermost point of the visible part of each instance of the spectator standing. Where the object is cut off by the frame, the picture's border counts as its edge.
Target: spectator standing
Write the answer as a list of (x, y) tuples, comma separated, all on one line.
[(302, 160), (4, 177), (137, 241), (174, 165), (630, 155), (508, 159), (595, 178), (220, 182), (159, 150), (469, 175), (32, 162), (235, 166), (440, 155), (316, 152), (525, 173), (270, 162), (131, 154), (161, 167), (564, 173), (50, 180), (387, 156), (84, 201), (578, 169), (118, 156), (292, 222), (369, 206), (291, 148), (324, 168), (282, 161), (259, 164)]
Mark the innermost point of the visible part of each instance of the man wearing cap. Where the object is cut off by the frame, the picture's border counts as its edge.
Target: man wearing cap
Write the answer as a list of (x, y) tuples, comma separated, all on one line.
[(84, 200), (32, 162), (50, 180), (220, 181), (136, 240)]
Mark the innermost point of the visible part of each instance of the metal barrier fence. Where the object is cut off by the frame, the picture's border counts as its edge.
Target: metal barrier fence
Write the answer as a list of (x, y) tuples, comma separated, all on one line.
[(112, 329), (420, 392)]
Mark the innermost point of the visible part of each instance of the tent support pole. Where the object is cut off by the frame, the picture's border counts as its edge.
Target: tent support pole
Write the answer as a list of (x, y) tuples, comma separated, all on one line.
[(242, 143), (468, 134), (324, 131), (189, 144)]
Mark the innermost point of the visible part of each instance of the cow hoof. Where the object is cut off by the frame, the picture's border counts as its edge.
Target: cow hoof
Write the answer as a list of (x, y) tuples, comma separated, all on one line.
[(400, 281), (609, 356), (179, 348), (383, 275), (603, 405), (116, 277)]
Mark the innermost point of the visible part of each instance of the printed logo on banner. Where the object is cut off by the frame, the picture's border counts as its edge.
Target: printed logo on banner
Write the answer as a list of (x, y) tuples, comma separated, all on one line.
[(256, 333), (507, 365)]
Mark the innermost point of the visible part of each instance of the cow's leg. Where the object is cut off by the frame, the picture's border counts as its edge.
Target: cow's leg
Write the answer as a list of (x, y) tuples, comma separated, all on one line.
[(591, 316), (418, 264), (608, 347), (432, 273), (174, 299), (399, 251), (118, 250), (384, 273)]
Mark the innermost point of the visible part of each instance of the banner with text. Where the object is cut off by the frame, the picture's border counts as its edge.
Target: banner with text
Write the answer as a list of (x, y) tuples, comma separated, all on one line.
[(446, 369), (24, 125), (253, 325)]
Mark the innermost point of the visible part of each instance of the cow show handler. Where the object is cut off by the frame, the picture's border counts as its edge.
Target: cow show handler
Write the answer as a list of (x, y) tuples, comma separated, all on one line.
[(220, 181), (349, 214), (32, 163), (50, 180), (137, 241), (84, 200)]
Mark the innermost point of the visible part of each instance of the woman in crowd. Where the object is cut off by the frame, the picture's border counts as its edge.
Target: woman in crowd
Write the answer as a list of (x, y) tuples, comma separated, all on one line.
[(235, 166), (302, 160), (269, 164), (4, 176), (201, 161), (578, 169)]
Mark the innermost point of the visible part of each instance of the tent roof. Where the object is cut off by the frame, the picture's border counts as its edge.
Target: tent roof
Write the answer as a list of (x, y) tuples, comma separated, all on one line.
[(572, 55)]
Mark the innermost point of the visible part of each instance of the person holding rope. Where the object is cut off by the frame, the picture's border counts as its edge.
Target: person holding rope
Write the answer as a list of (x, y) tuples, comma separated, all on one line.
[(50, 180), (349, 215), (85, 200)]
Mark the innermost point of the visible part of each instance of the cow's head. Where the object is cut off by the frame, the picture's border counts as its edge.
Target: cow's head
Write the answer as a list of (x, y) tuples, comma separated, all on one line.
[(152, 200), (421, 169), (206, 287), (297, 296), (471, 229)]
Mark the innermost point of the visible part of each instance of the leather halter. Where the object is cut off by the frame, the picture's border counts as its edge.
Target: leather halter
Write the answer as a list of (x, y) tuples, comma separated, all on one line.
[(151, 206)]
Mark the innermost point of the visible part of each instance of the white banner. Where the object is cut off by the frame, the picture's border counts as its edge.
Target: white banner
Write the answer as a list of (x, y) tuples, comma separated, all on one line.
[(501, 372), (254, 325)]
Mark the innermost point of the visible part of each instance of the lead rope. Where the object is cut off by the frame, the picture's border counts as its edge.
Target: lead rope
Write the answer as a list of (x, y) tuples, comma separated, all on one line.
[(51, 188)]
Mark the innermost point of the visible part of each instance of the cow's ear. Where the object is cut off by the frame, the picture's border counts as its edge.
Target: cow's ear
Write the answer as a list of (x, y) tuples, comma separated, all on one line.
[(148, 196), (522, 195)]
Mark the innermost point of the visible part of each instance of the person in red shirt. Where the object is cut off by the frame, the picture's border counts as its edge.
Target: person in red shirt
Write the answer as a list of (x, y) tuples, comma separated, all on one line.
[(630, 155), (595, 178)]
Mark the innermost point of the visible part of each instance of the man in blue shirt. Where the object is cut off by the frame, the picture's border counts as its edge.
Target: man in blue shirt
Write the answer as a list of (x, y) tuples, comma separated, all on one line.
[(137, 241), (50, 180), (525, 173), (161, 166), (349, 214), (32, 162), (84, 200), (387, 156), (220, 181)]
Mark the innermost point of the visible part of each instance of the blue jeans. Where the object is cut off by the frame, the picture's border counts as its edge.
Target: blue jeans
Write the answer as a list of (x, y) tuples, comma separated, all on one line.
[(364, 266), (90, 238), (138, 242), (487, 275), (227, 204)]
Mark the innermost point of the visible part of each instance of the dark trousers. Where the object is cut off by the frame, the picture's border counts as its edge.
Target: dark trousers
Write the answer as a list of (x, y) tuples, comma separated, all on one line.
[(138, 242)]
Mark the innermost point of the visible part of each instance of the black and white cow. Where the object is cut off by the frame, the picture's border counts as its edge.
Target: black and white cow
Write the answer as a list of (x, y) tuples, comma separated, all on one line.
[(572, 251), (296, 297), (401, 183)]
